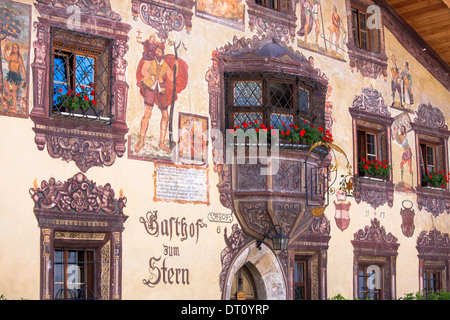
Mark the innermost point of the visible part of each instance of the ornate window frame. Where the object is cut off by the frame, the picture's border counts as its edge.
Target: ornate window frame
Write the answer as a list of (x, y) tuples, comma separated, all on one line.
[(369, 64), (80, 214), (86, 143), (368, 111), (429, 125), (433, 247), (374, 246)]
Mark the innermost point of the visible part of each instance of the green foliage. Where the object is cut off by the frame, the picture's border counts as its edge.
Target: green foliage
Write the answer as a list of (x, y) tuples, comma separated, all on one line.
[(433, 295)]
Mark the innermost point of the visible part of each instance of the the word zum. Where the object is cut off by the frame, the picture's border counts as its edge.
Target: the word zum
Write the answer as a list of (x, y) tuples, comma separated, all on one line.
[(172, 227)]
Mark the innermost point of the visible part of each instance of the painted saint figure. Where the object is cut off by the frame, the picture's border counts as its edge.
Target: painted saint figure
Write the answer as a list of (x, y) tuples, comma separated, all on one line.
[(310, 16), (335, 27), (407, 153), (16, 74), (155, 79), (396, 81), (408, 97)]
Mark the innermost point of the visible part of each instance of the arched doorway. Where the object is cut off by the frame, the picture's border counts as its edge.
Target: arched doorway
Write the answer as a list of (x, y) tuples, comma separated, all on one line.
[(243, 285), (261, 274)]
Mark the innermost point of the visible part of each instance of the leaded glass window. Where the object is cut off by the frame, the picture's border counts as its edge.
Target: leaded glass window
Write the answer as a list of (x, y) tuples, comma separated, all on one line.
[(272, 99)]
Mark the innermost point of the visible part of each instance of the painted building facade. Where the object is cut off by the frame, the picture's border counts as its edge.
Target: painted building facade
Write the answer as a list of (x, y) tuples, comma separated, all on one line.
[(106, 196)]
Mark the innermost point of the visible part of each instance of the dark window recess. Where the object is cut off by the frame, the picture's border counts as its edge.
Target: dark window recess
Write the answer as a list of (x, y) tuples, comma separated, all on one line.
[(300, 280), (80, 75), (271, 4), (368, 286), (364, 37), (431, 281), (372, 145), (74, 274)]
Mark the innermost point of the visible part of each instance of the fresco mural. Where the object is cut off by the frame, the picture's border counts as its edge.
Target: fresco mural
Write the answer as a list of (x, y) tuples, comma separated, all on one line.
[(15, 21), (193, 139), (228, 12), (160, 77), (400, 129), (321, 29), (401, 85)]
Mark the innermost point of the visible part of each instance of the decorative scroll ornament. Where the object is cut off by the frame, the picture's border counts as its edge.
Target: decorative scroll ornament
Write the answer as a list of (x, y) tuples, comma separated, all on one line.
[(433, 238), (86, 153), (371, 100), (164, 18), (430, 116), (367, 67), (375, 233), (77, 194)]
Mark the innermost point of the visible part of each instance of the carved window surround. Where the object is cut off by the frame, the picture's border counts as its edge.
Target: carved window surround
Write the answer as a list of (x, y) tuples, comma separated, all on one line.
[(87, 143), (373, 246), (429, 126), (434, 253), (369, 64), (313, 245), (80, 214), (280, 24), (369, 112)]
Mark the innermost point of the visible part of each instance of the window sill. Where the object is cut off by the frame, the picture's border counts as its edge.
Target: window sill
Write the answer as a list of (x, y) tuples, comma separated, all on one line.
[(87, 142), (272, 22), (374, 192)]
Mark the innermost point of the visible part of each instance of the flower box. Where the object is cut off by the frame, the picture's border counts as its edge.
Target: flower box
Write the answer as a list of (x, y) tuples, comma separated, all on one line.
[(374, 170), (435, 180)]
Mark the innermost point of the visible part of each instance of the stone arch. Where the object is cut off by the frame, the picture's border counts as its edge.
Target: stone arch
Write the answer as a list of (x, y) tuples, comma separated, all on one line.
[(266, 270)]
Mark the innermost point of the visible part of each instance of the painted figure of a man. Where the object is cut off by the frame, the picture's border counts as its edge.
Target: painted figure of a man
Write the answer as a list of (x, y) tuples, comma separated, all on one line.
[(155, 77)]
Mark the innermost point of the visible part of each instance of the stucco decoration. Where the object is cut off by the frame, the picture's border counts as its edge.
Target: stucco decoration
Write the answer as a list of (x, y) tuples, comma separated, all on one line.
[(77, 194), (375, 233), (430, 116), (280, 24), (164, 16), (371, 100), (433, 238)]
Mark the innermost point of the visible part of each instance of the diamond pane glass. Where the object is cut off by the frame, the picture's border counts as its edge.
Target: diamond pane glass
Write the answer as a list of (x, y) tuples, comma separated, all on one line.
[(303, 97), (247, 93), (278, 119)]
